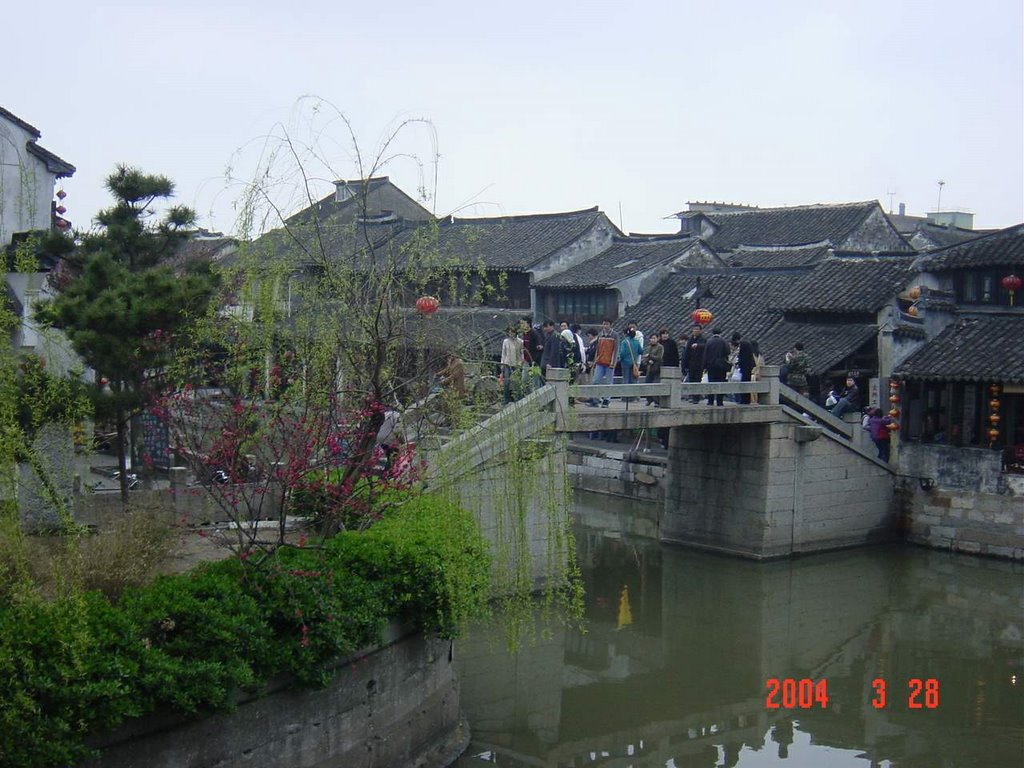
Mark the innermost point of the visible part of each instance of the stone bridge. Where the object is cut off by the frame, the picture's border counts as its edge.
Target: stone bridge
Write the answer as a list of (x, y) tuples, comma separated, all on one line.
[(773, 479)]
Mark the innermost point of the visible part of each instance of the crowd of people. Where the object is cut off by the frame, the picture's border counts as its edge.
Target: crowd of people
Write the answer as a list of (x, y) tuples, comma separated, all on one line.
[(593, 356)]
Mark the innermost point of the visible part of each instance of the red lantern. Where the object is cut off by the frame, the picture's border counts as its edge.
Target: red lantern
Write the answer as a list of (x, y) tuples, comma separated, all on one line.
[(912, 310), (61, 210), (914, 293), (1012, 284), (702, 316), (427, 305), (61, 194)]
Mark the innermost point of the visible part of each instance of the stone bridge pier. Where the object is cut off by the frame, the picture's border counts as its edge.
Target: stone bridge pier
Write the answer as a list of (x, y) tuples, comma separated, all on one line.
[(771, 490)]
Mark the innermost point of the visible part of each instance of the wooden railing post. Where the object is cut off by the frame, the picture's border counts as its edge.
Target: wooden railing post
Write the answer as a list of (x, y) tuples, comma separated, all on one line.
[(770, 373), (559, 379), (673, 376)]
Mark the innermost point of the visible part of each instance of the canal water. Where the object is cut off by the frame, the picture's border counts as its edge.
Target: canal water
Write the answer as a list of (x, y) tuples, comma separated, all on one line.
[(884, 656)]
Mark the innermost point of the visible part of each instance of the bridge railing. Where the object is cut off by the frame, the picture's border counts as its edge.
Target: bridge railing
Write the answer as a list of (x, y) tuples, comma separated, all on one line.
[(670, 392)]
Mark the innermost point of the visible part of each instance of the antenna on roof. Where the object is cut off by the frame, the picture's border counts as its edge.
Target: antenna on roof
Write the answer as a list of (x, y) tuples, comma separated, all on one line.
[(938, 204), (891, 196), (620, 217)]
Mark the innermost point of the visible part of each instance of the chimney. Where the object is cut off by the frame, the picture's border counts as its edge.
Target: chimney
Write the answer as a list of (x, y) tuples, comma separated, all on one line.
[(342, 191), (903, 209)]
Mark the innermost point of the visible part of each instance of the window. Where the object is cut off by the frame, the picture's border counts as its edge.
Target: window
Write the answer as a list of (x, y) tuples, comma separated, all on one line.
[(982, 286), (583, 306)]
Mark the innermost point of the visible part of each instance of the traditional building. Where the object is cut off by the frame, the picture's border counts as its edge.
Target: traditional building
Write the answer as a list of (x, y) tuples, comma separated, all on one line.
[(948, 381), (861, 227), (28, 206), (616, 279), (28, 175), (515, 252)]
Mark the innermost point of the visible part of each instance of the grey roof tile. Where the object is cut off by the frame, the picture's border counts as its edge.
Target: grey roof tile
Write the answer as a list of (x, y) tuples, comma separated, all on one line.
[(1005, 247), (778, 258), (974, 348), (797, 225), (627, 256), (826, 344), (61, 168), (739, 301), (513, 242), (846, 283)]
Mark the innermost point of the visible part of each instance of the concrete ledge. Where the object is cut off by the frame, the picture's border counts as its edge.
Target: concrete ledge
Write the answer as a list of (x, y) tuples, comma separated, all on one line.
[(396, 705)]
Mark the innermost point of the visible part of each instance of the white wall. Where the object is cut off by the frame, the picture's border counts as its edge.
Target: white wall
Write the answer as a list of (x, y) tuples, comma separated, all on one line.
[(26, 187)]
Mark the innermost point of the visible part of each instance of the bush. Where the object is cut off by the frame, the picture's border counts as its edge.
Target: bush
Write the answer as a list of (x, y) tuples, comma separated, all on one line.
[(75, 666), (65, 670)]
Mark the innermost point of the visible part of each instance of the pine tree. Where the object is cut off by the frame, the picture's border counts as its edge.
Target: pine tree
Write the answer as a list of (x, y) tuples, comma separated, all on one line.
[(125, 310)]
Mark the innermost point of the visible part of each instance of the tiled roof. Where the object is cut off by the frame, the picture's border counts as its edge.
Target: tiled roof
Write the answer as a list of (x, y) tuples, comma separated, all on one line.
[(328, 206), (826, 344), (799, 225), (1005, 247), (981, 348), (627, 256), (739, 301), (928, 236), (201, 246), (55, 165), (61, 168), (513, 242), (848, 284), (303, 243), (19, 122), (776, 258)]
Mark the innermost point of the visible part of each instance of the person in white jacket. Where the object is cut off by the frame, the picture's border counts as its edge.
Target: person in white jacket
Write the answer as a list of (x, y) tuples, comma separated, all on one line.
[(511, 360)]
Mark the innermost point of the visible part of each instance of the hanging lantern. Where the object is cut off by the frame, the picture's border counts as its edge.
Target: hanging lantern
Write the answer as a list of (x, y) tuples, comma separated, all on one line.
[(894, 398), (993, 417), (914, 293), (892, 426), (912, 310), (1012, 284), (61, 210), (702, 316), (427, 305), (63, 223), (61, 194)]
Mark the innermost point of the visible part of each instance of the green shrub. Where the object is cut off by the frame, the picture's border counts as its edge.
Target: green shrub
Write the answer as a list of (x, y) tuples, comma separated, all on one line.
[(201, 636), (66, 669), (76, 666)]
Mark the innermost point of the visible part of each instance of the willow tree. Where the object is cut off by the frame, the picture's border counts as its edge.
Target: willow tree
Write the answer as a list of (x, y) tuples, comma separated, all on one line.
[(126, 307)]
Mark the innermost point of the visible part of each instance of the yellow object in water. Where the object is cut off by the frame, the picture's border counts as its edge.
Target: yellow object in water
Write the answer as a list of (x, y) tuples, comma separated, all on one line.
[(625, 614)]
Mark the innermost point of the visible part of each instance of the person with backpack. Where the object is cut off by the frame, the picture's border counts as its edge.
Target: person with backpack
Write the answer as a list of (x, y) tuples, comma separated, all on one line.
[(606, 353), (798, 365)]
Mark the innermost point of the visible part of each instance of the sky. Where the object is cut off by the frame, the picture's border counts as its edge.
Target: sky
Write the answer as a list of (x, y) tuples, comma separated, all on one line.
[(534, 107)]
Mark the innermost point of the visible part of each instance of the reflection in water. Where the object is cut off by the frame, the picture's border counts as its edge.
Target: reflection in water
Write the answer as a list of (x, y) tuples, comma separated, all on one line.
[(679, 646)]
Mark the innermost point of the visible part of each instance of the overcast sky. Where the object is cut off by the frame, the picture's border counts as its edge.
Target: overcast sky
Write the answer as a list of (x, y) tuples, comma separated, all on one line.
[(635, 107)]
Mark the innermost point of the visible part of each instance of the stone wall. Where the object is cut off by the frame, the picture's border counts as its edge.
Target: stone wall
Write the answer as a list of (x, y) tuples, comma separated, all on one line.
[(523, 506), (55, 451), (959, 499), (771, 490), (617, 470), (396, 705)]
